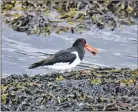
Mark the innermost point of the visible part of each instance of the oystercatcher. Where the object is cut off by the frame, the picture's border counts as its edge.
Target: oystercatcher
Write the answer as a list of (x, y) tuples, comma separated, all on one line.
[(68, 58)]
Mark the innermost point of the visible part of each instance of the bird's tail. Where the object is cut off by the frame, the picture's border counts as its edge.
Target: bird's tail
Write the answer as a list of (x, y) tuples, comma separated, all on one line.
[(35, 65)]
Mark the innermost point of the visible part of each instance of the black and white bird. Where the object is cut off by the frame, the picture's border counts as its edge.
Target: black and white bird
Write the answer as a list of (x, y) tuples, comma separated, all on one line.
[(68, 58)]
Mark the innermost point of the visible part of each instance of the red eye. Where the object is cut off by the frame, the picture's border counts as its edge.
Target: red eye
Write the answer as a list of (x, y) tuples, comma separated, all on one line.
[(83, 41)]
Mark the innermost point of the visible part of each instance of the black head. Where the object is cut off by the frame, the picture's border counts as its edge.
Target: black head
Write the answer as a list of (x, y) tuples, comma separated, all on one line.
[(79, 42)]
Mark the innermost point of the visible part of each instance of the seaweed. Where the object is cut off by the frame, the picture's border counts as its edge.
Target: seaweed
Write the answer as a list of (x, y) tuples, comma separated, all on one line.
[(99, 89), (35, 17)]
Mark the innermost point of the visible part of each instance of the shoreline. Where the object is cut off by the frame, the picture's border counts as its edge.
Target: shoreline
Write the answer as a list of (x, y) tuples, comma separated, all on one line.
[(85, 90), (55, 72)]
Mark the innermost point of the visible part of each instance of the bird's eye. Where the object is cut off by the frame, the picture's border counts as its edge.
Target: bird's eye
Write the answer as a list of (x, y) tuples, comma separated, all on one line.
[(83, 41)]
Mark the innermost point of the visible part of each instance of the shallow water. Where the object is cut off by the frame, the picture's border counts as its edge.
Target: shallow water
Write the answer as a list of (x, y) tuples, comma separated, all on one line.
[(117, 49)]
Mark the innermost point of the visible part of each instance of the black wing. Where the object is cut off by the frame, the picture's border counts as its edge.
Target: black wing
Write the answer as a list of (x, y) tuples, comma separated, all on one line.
[(61, 56)]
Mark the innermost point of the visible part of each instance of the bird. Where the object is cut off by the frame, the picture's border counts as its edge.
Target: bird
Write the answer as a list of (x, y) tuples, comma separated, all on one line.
[(68, 58)]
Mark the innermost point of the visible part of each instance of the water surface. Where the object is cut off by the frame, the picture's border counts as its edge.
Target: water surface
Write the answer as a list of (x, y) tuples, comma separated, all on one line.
[(117, 49)]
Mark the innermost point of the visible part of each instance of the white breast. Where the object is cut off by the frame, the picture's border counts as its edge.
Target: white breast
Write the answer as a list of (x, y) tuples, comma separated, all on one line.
[(64, 66)]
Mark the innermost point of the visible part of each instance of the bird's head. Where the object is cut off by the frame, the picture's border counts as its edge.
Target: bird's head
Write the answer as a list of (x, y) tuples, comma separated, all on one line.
[(82, 42)]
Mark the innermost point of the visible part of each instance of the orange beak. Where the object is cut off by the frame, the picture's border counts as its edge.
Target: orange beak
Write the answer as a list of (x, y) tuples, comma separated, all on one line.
[(91, 49)]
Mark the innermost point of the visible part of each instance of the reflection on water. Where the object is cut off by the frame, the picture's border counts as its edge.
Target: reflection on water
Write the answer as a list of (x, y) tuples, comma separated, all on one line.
[(117, 49)]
